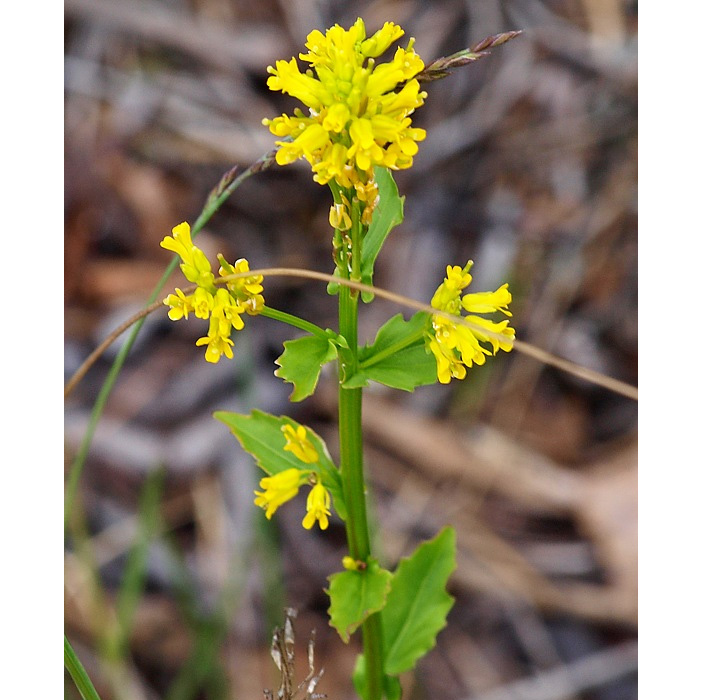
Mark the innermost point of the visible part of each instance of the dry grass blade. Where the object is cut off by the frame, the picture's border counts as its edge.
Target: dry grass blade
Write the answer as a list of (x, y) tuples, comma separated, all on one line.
[(283, 652)]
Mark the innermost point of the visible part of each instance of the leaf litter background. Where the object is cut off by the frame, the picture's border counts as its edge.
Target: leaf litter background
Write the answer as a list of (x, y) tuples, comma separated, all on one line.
[(530, 169)]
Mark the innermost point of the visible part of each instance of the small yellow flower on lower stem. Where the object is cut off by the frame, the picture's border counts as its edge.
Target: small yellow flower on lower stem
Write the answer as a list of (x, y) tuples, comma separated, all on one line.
[(349, 564), (279, 489), (318, 505), (299, 444)]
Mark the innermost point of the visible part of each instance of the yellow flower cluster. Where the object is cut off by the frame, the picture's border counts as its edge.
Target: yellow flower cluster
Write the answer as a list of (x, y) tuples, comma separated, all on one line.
[(456, 346), (358, 111), (284, 485), (223, 306)]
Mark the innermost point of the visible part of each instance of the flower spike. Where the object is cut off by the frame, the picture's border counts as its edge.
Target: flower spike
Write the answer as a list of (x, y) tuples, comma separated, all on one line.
[(358, 110)]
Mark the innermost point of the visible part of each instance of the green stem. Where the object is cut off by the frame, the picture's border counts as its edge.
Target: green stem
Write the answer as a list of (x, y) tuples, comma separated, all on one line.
[(351, 450), (295, 321), (78, 674), (211, 206)]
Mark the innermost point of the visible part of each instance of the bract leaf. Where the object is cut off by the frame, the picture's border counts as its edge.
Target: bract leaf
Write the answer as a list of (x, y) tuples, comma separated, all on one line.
[(397, 358), (260, 434), (355, 595), (301, 362), (418, 603), (388, 214)]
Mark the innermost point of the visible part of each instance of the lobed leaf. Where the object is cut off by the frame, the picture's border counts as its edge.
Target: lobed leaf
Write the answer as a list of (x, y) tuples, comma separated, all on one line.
[(301, 363)]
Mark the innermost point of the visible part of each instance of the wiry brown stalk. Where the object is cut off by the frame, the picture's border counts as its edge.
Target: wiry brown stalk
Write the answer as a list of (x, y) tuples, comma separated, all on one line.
[(543, 356)]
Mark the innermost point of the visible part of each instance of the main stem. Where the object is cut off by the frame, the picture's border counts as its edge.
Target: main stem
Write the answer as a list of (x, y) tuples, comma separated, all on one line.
[(351, 444)]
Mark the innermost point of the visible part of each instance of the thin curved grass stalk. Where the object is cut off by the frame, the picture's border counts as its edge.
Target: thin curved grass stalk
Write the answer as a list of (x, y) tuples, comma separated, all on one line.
[(221, 192), (615, 385)]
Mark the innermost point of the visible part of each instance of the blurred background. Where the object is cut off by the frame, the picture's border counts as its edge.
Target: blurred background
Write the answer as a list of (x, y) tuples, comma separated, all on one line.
[(174, 581)]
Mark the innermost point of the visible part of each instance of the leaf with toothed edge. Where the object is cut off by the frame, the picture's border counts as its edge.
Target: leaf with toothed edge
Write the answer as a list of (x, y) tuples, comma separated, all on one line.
[(301, 363), (355, 595), (418, 604)]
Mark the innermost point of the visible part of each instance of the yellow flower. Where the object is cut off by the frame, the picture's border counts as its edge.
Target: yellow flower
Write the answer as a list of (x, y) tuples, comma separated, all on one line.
[(358, 111), (339, 215), (447, 296), (487, 302), (226, 308), (299, 444), (180, 305), (279, 489), (318, 505), (217, 340), (246, 291), (456, 346), (447, 364), (195, 265), (202, 302)]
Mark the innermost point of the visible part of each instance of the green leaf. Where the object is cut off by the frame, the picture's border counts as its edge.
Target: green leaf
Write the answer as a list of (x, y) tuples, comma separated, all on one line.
[(397, 358), (418, 604), (260, 434), (392, 687), (357, 380), (388, 214), (355, 595), (301, 362)]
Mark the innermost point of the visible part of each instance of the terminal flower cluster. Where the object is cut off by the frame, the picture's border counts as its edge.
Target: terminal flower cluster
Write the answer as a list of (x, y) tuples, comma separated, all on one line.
[(358, 110), (457, 346), (223, 306), (285, 485)]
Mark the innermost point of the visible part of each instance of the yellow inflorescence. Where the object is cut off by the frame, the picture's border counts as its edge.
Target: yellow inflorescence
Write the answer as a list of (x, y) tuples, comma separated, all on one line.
[(358, 111), (223, 306), (455, 346), (284, 486)]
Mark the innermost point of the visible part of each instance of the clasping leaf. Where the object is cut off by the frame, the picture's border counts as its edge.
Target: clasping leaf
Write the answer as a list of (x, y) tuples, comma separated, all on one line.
[(355, 595), (397, 358)]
